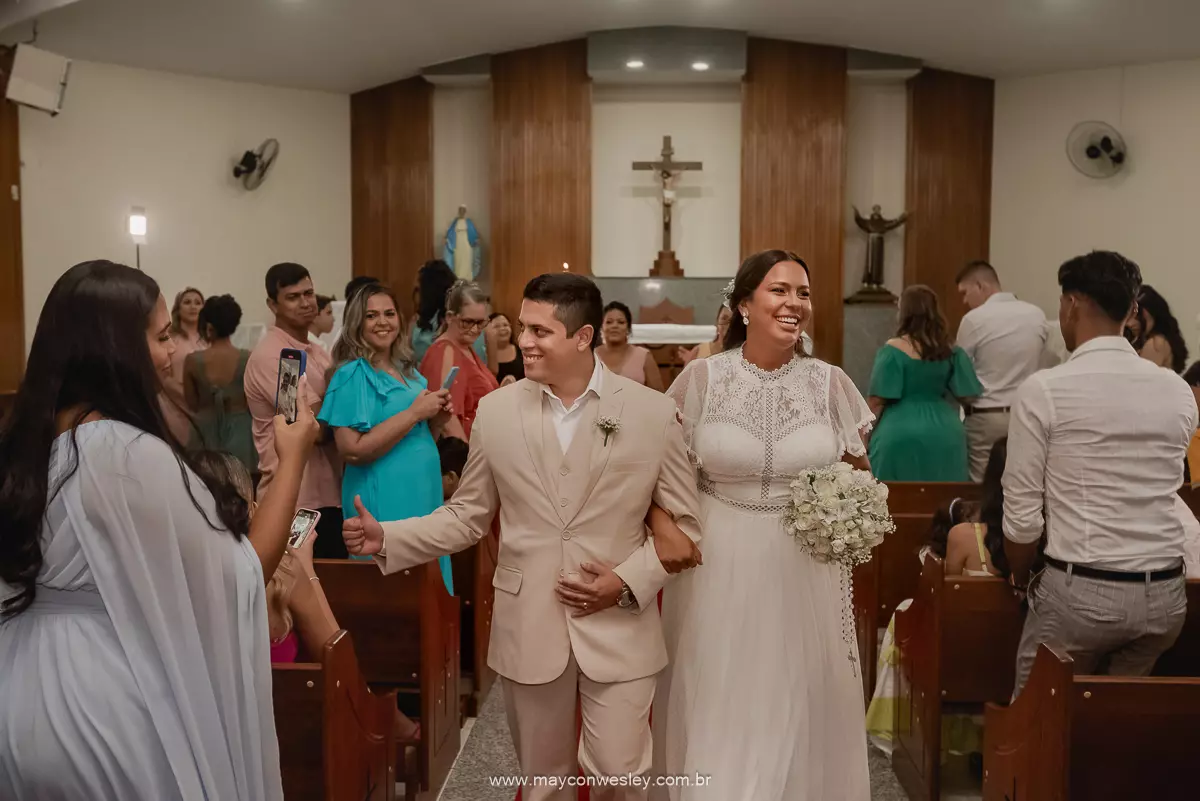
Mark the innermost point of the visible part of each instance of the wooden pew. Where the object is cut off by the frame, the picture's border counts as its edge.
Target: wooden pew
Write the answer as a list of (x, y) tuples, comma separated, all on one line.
[(957, 643), (1183, 658), (892, 574), (405, 629), (336, 741), (1092, 738), (474, 569), (1192, 498)]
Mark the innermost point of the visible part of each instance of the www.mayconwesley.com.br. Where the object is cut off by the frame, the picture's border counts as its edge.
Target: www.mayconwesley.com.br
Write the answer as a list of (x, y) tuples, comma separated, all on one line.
[(628, 780)]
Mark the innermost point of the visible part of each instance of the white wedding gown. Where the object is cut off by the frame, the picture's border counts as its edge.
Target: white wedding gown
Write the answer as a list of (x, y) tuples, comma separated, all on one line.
[(761, 695)]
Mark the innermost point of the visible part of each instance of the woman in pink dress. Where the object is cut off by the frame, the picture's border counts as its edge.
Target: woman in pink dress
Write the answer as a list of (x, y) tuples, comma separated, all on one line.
[(185, 330), (633, 362), (466, 316)]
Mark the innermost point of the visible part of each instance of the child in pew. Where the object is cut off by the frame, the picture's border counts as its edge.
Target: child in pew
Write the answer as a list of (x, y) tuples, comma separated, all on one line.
[(969, 538), (452, 453)]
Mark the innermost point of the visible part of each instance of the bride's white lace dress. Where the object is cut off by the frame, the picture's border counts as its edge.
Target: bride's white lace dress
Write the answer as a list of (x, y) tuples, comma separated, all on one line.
[(760, 695)]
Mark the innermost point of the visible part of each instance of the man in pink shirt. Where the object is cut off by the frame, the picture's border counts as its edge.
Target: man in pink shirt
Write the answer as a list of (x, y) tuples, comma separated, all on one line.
[(291, 298)]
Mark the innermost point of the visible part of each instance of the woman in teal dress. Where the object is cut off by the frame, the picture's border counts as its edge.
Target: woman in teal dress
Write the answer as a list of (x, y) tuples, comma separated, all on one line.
[(383, 417), (917, 384)]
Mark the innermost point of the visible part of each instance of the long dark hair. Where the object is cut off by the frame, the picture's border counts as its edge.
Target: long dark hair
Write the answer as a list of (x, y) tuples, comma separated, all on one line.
[(921, 320), (434, 281), (89, 353), (1154, 304), (991, 505), (946, 518), (752, 272)]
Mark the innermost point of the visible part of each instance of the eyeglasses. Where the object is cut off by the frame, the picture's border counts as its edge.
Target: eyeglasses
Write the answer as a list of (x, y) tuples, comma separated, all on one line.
[(471, 325)]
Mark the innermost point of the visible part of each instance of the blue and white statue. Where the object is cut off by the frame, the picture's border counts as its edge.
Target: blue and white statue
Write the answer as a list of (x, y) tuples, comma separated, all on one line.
[(462, 250)]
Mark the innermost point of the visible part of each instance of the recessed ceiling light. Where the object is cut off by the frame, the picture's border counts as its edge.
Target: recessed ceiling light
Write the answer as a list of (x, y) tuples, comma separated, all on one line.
[(634, 64), (699, 66)]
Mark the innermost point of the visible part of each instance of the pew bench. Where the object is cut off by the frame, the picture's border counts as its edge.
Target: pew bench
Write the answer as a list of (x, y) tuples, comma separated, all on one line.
[(1092, 738), (474, 570), (405, 630), (891, 575), (336, 739), (1183, 658), (957, 646)]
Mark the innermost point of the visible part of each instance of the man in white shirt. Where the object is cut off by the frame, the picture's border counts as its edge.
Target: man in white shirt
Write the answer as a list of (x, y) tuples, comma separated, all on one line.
[(1005, 339), (1095, 459)]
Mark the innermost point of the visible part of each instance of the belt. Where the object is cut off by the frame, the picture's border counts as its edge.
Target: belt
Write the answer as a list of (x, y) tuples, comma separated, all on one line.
[(1115, 575), (987, 410)]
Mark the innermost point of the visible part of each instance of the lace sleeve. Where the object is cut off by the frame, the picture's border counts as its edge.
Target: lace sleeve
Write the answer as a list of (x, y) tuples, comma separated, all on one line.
[(849, 414), (689, 391)]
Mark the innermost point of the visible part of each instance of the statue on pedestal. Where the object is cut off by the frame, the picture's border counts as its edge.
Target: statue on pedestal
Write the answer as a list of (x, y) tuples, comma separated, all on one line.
[(462, 250), (875, 226)]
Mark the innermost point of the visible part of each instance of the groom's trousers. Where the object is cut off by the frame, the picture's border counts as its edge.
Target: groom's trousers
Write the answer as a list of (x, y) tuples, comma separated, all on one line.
[(614, 742)]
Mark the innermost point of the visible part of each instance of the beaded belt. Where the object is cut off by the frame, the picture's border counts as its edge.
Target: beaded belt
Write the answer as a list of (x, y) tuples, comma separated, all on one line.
[(759, 507)]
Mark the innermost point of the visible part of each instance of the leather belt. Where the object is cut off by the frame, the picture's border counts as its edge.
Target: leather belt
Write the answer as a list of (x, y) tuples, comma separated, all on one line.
[(988, 410), (1116, 575)]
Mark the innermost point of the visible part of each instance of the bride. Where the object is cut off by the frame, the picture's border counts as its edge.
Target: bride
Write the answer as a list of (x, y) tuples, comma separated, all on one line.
[(761, 695)]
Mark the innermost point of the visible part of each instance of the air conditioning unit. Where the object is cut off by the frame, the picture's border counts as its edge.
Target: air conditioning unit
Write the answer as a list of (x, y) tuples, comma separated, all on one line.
[(38, 79)]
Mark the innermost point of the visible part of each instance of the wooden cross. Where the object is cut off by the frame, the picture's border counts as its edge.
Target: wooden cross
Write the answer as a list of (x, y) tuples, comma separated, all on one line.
[(668, 170)]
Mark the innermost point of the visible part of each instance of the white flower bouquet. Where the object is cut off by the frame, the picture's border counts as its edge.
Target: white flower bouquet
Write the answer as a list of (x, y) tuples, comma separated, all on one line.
[(838, 514)]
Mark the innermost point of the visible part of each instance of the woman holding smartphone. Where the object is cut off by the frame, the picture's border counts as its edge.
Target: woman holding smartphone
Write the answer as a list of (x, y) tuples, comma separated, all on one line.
[(466, 316), (383, 416), (133, 626)]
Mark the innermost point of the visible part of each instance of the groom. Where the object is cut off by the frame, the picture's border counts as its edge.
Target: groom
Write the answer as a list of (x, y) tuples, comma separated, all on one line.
[(572, 457)]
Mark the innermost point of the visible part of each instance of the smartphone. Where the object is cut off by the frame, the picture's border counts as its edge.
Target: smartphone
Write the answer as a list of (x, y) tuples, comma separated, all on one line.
[(287, 387), (302, 525), (449, 382)]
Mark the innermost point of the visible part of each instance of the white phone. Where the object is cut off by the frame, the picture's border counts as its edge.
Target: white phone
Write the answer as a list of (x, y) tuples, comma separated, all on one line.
[(302, 525)]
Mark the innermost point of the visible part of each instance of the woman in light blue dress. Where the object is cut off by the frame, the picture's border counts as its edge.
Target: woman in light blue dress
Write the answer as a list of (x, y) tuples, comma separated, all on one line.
[(134, 648), (384, 418)]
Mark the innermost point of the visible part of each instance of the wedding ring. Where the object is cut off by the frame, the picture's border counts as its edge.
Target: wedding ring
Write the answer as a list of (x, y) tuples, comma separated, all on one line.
[(585, 604)]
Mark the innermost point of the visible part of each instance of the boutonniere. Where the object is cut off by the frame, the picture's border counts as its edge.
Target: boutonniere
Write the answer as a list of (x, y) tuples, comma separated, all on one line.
[(609, 425)]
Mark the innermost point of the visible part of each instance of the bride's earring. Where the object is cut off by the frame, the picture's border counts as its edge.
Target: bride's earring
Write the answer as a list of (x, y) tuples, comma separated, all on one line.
[(745, 319)]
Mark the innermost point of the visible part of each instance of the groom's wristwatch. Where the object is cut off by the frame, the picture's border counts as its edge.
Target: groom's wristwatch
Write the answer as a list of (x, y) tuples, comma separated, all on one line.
[(626, 600)]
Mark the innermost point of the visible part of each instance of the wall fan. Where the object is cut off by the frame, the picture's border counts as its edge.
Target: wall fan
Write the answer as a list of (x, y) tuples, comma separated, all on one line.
[(252, 169), (1096, 149)]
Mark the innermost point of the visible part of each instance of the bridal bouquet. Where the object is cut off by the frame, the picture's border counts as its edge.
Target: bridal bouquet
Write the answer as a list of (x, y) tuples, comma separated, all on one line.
[(838, 514)]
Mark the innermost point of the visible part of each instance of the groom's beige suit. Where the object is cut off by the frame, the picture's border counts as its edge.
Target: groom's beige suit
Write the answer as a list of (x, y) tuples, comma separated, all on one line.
[(558, 510)]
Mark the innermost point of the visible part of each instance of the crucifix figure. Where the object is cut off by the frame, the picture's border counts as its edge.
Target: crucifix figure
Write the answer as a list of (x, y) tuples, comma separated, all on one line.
[(668, 171)]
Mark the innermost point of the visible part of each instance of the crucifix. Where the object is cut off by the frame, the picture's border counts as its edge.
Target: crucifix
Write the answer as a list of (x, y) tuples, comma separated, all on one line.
[(668, 171)]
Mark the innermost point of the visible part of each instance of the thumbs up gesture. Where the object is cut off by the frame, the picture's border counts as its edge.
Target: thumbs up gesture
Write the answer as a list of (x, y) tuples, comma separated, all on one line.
[(363, 534)]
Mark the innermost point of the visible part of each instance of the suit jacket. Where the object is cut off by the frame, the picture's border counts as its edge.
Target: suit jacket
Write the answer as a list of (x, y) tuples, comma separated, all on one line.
[(559, 510)]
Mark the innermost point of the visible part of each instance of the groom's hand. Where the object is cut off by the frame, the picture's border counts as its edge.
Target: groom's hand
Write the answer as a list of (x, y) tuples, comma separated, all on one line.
[(363, 534), (595, 595)]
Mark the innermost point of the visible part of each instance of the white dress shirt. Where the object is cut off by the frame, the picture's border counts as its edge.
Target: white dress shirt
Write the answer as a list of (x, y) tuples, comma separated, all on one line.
[(1005, 339), (566, 421), (1095, 452)]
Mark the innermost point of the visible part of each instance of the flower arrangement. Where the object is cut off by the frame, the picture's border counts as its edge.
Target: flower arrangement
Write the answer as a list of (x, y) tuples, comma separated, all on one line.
[(609, 425), (838, 514)]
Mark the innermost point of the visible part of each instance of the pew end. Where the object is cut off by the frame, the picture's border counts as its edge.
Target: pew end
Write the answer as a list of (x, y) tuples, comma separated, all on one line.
[(336, 739), (406, 635), (1092, 738), (957, 644)]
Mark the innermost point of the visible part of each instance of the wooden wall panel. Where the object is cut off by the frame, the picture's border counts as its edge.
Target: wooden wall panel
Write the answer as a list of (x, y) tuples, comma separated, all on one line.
[(793, 168), (391, 162), (541, 169), (12, 297), (949, 185)]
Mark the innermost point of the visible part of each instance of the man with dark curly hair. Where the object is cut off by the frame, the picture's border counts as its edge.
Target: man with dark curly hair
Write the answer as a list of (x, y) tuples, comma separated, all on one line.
[(1112, 594)]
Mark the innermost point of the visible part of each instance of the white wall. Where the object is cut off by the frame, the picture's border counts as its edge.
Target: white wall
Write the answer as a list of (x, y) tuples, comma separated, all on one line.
[(876, 168), (628, 124), (462, 131), (1044, 212), (168, 142)]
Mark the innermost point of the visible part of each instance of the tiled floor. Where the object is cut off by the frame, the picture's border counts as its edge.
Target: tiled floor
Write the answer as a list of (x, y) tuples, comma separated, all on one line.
[(487, 751)]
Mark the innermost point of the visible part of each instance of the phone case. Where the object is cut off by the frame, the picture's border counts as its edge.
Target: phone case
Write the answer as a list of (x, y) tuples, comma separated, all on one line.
[(290, 354)]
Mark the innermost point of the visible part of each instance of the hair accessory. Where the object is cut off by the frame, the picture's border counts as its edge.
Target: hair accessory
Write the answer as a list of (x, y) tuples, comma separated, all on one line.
[(728, 292)]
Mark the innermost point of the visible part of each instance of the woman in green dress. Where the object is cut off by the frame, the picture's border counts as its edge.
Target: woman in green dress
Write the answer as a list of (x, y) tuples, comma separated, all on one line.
[(918, 382)]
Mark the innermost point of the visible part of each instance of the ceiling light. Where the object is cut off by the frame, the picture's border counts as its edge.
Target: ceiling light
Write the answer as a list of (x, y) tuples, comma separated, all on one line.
[(634, 64), (700, 66)]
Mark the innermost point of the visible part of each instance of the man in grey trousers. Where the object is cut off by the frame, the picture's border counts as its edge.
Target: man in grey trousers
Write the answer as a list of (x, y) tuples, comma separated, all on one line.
[(1095, 458)]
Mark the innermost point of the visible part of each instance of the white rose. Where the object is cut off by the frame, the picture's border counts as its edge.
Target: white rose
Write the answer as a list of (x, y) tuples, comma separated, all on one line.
[(839, 547)]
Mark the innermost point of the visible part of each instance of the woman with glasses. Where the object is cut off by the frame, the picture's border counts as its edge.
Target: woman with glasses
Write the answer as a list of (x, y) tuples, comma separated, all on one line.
[(466, 317)]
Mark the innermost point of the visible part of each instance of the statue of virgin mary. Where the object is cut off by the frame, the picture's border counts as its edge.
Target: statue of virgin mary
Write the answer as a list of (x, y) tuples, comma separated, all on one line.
[(462, 250)]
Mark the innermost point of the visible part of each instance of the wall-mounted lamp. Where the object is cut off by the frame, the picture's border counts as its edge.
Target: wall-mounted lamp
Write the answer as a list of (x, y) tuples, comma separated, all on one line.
[(137, 230)]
